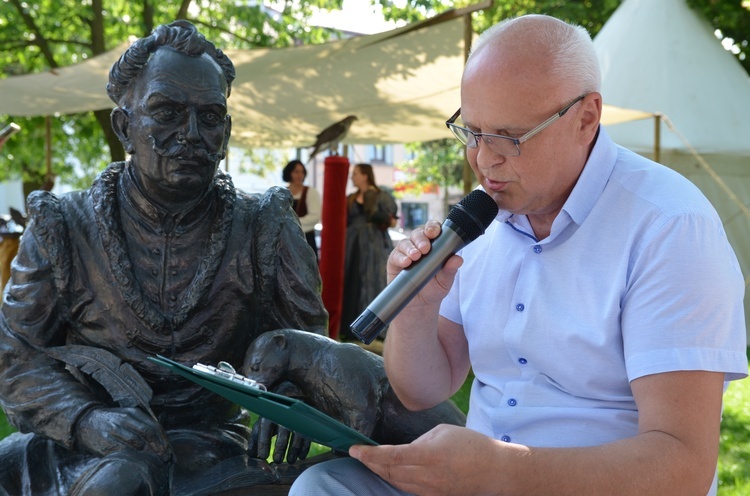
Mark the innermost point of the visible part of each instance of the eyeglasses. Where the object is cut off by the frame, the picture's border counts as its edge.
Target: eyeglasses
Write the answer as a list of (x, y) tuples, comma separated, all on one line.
[(502, 145)]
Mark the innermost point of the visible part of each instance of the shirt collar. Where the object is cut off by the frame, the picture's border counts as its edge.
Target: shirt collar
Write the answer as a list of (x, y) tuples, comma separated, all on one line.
[(593, 178), (586, 192)]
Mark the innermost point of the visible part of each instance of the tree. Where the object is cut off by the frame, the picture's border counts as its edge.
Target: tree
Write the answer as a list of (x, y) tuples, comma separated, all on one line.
[(731, 17), (43, 35), (439, 162)]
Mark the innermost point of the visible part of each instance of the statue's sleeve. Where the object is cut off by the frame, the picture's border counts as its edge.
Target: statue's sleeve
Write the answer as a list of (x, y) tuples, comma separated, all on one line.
[(36, 392), (290, 278)]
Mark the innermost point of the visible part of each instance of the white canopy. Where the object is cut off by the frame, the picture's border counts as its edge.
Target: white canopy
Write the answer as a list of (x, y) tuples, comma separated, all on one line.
[(401, 84), (662, 57)]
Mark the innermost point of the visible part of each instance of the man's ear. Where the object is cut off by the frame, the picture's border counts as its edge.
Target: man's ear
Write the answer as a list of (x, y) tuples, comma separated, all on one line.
[(591, 114), (120, 124)]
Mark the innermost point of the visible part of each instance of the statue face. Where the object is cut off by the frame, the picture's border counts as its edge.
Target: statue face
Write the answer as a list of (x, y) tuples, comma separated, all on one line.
[(178, 125)]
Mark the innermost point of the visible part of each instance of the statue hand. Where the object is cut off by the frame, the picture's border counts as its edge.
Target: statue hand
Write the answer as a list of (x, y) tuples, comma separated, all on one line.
[(294, 445), (105, 430)]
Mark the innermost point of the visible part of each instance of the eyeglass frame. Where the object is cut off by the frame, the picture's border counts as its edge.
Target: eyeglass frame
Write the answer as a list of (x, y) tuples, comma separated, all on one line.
[(450, 123)]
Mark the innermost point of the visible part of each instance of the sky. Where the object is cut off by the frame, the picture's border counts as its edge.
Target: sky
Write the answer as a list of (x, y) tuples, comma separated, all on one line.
[(357, 16)]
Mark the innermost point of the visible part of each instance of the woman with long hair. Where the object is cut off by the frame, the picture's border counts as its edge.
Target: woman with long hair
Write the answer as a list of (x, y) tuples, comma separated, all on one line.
[(370, 212)]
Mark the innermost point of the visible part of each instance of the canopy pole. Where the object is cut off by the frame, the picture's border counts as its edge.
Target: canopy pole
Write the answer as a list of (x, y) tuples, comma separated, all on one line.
[(48, 146)]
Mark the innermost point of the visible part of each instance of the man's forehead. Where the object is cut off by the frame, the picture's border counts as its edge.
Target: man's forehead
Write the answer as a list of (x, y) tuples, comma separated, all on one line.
[(169, 71)]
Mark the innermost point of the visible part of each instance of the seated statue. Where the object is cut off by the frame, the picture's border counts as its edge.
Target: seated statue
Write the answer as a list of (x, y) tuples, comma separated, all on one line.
[(161, 255)]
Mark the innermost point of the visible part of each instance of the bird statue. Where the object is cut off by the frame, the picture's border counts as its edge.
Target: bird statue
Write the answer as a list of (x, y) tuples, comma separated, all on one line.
[(332, 135)]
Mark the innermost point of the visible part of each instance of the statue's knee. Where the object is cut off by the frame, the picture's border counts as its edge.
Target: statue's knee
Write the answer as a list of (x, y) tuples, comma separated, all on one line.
[(124, 473)]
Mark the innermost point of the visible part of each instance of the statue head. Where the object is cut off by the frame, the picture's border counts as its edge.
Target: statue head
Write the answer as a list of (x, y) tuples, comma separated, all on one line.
[(171, 91)]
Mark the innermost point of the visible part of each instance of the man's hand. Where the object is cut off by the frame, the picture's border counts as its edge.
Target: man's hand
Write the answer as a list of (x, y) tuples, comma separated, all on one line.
[(411, 249), (105, 430), (446, 460)]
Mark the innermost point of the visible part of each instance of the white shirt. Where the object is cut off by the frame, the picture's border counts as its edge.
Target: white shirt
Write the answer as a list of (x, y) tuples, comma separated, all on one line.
[(636, 277), (312, 217)]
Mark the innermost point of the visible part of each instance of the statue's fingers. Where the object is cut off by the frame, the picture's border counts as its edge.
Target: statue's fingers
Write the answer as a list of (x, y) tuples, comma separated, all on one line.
[(298, 448), (265, 433), (282, 441), (252, 445), (304, 447)]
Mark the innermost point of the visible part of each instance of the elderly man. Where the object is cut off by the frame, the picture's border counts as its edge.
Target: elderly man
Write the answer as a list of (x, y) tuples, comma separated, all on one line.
[(160, 256), (601, 313)]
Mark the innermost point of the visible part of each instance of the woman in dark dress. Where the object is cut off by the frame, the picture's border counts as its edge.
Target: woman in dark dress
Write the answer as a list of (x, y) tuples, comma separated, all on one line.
[(371, 211)]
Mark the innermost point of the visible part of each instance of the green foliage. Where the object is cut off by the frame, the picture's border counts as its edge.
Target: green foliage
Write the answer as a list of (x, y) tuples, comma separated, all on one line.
[(732, 17), (37, 36)]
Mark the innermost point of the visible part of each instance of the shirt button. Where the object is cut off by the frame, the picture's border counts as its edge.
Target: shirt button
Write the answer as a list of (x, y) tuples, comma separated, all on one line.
[(154, 272), (537, 249), (520, 307), (505, 439), (156, 251), (512, 402), (523, 361), (173, 297), (174, 272)]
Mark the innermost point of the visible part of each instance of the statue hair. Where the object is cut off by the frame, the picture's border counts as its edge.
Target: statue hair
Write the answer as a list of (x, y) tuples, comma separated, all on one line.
[(181, 36)]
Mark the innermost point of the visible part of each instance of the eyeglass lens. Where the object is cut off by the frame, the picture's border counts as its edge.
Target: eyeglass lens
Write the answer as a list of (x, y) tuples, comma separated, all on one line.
[(498, 144)]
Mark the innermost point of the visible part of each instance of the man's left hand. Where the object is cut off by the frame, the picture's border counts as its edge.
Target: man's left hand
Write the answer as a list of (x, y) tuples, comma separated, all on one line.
[(446, 460)]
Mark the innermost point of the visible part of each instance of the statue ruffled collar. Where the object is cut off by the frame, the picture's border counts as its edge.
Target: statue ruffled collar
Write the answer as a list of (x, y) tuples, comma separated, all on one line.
[(104, 194)]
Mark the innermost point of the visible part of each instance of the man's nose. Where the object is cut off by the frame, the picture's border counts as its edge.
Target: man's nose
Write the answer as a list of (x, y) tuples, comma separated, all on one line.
[(192, 130), (485, 155)]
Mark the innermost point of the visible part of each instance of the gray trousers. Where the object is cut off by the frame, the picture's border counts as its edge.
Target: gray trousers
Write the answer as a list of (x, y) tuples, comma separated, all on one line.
[(341, 477)]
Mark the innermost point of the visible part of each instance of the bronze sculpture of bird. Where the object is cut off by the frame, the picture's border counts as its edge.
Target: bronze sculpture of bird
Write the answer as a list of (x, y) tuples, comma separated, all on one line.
[(331, 136)]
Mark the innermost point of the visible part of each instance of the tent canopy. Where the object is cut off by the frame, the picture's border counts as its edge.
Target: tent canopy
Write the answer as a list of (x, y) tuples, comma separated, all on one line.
[(663, 57), (401, 84), (684, 73)]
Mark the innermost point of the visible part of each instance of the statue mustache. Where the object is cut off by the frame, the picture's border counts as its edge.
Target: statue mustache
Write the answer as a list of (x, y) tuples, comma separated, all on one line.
[(177, 150)]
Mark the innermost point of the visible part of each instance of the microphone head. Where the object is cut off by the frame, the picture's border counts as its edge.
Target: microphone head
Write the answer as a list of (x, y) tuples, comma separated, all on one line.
[(474, 213)]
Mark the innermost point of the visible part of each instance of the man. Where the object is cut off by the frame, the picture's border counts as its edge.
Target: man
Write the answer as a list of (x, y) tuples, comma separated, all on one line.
[(601, 313), (160, 256)]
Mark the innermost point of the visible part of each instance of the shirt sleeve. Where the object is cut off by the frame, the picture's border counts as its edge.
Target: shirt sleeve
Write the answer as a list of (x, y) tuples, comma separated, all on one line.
[(290, 279), (669, 322), (313, 210)]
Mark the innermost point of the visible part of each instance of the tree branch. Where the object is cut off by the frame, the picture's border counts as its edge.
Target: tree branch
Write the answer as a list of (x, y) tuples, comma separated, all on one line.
[(39, 40)]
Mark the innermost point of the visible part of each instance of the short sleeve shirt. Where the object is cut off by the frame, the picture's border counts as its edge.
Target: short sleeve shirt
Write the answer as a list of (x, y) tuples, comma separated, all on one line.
[(636, 278)]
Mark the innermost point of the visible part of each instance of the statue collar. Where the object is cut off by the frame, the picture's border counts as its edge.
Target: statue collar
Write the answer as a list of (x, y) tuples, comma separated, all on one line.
[(104, 196), (155, 216)]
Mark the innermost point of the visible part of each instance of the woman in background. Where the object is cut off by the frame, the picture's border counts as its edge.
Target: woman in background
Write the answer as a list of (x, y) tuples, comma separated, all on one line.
[(306, 200), (371, 211)]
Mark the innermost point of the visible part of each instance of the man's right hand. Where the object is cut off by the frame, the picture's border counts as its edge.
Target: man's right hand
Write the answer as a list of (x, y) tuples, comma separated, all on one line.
[(411, 249), (105, 430)]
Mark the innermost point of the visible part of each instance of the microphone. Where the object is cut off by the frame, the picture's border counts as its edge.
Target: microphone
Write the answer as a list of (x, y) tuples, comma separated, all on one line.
[(465, 223)]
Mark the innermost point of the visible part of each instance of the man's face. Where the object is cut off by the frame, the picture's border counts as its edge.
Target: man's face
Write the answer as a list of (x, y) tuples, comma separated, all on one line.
[(178, 125), (504, 93)]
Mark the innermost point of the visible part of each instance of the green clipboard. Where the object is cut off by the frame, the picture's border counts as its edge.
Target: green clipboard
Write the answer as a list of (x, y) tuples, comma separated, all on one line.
[(287, 412)]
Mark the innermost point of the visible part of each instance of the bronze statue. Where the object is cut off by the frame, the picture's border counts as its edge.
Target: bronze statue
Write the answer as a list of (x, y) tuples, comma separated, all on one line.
[(161, 255), (364, 401)]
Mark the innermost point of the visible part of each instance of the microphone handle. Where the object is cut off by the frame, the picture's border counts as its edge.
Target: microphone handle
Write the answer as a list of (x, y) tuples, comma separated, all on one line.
[(410, 281)]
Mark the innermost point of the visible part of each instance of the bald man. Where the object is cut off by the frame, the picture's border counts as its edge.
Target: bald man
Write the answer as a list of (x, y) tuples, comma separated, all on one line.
[(601, 312)]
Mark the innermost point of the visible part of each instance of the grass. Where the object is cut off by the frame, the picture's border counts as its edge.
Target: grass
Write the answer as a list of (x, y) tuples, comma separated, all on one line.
[(734, 449)]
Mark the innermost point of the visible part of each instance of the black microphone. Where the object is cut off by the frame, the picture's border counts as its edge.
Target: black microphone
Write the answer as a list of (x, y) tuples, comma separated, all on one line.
[(465, 223)]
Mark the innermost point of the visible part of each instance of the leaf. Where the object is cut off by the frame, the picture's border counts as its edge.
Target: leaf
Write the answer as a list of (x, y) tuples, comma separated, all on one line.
[(118, 378)]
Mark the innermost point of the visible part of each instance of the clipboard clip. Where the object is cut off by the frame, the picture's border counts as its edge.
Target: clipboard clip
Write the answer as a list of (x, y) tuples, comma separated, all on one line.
[(225, 370)]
